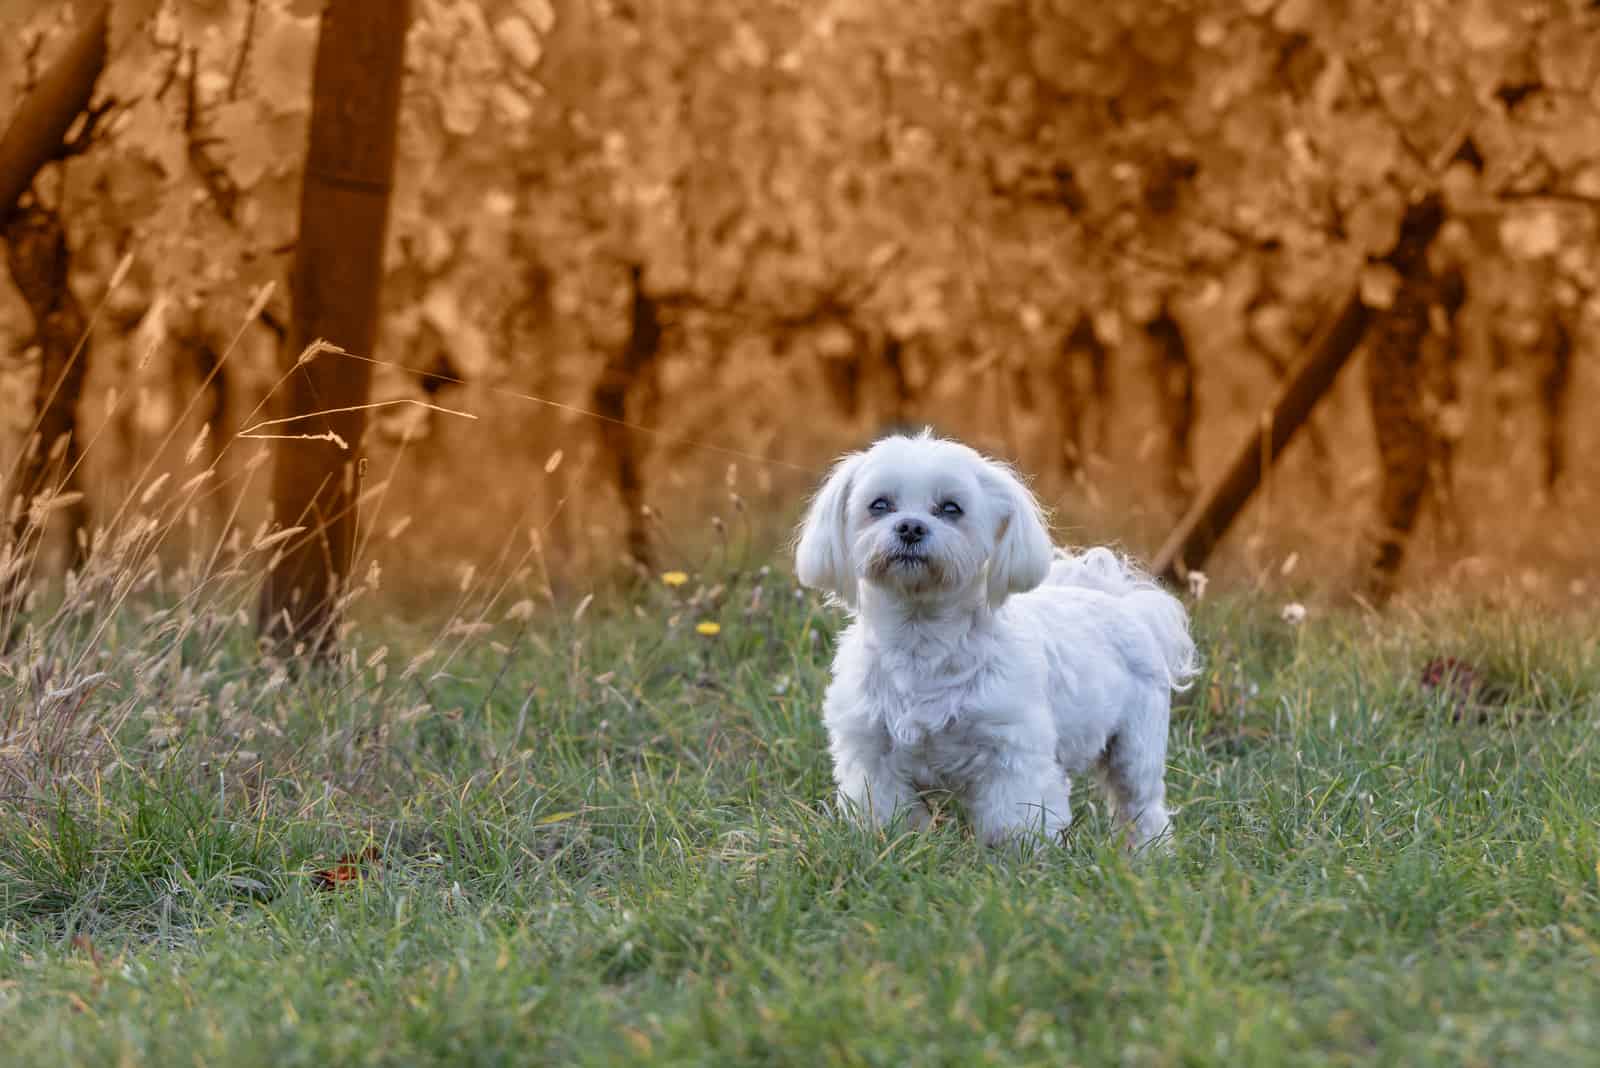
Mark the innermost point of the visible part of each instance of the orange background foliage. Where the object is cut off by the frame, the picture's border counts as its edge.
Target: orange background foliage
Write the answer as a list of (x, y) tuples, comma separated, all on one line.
[(841, 218)]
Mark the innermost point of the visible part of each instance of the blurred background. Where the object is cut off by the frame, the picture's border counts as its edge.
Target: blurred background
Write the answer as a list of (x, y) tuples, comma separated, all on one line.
[(676, 256)]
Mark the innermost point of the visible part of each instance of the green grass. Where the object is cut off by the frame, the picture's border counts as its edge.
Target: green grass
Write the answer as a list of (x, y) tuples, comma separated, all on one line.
[(605, 841)]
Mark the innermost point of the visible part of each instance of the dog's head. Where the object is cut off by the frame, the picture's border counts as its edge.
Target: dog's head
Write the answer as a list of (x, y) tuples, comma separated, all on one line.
[(923, 518)]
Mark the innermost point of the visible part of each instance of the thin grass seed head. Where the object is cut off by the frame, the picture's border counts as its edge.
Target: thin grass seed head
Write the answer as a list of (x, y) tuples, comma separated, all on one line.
[(154, 488), (265, 541), (195, 447), (583, 606), (259, 304), (195, 481)]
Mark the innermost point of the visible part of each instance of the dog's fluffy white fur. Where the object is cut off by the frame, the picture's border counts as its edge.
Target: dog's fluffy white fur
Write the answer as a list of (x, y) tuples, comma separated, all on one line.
[(980, 659)]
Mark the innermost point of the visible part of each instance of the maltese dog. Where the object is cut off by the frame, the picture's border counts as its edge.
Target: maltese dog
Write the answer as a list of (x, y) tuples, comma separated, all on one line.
[(981, 660)]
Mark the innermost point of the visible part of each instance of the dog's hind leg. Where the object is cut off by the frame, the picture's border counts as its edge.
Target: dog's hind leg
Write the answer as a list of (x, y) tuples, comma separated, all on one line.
[(1134, 771)]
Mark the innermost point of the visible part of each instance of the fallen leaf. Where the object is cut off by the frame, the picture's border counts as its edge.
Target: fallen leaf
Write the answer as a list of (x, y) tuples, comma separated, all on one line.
[(1451, 674), (347, 870), (1467, 687)]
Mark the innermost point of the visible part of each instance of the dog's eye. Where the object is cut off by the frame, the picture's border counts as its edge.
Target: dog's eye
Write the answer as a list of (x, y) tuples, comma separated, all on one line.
[(879, 506), (950, 509)]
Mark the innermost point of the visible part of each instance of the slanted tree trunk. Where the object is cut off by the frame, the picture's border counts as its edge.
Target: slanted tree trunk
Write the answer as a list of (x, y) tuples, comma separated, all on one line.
[(1277, 348), (626, 392), (39, 129), (335, 283)]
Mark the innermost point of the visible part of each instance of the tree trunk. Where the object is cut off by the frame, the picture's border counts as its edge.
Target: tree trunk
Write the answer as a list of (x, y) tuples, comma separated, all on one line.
[(841, 373), (1441, 361), (39, 258), (1082, 394), (337, 275), (1400, 423), (1215, 510), (1409, 447), (901, 395), (1555, 390), (201, 345), (630, 376), (1175, 384)]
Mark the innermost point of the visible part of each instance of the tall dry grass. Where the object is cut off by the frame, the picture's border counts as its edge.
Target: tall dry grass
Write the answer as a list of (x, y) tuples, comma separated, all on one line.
[(146, 653), (467, 519)]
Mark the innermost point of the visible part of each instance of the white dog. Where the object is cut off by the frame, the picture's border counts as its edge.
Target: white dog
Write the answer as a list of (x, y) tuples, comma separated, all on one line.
[(980, 659)]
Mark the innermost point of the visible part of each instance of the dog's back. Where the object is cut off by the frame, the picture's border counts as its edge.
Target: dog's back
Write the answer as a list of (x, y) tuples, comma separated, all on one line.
[(1162, 614)]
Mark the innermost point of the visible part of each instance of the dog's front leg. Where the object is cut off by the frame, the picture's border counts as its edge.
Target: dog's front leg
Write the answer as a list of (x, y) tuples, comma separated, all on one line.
[(873, 793), (1030, 795)]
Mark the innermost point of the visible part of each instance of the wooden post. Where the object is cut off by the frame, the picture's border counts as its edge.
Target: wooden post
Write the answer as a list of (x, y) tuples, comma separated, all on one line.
[(335, 284)]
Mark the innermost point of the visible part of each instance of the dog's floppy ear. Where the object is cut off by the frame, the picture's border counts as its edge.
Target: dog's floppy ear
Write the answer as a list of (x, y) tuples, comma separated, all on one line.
[(822, 552), (1022, 551)]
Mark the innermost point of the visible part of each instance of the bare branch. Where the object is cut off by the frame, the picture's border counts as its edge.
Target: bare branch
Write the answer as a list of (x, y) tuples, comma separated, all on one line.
[(237, 78), (1561, 196)]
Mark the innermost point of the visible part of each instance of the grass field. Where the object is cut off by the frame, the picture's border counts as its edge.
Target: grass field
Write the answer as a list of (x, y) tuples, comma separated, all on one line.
[(597, 835)]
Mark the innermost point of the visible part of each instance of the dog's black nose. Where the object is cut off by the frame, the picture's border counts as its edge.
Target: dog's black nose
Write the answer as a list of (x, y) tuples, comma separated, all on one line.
[(911, 531)]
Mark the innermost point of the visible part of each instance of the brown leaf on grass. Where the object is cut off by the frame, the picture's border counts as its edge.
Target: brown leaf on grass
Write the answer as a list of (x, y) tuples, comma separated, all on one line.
[(349, 869), (1455, 676), (1467, 687)]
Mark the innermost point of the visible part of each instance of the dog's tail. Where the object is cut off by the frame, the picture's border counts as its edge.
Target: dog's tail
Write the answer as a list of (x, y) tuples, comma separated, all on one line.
[(1161, 612)]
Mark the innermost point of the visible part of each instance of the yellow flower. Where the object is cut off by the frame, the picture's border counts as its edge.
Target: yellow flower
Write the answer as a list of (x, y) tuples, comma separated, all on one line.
[(708, 628), (674, 578)]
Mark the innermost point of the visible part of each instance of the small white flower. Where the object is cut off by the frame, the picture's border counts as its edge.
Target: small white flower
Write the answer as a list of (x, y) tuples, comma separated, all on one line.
[(1197, 584), (1294, 613)]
